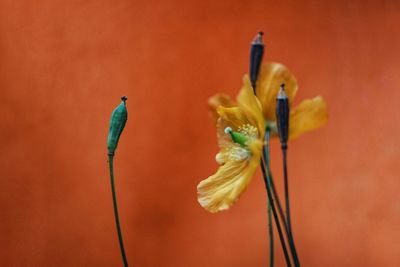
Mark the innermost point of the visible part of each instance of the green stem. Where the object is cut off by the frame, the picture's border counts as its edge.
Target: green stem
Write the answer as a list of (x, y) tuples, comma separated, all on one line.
[(287, 226), (271, 236), (287, 202), (274, 192), (270, 226), (276, 196), (278, 226), (121, 243)]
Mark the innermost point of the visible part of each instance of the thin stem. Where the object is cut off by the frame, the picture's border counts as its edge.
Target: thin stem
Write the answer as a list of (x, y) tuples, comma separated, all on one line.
[(274, 192), (287, 203), (121, 243), (289, 237), (287, 207), (271, 236), (270, 226), (273, 188), (278, 226)]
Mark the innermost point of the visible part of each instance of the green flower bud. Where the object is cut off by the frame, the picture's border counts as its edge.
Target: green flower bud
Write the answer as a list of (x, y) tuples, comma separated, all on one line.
[(117, 124)]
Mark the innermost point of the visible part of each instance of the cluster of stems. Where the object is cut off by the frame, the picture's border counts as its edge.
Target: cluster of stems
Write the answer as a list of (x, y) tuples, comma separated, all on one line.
[(274, 205)]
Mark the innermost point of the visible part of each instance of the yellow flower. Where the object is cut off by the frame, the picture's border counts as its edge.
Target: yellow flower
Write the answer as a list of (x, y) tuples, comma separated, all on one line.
[(240, 131), (308, 115)]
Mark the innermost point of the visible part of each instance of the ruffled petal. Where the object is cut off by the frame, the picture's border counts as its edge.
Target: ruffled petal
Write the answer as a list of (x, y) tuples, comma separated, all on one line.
[(271, 76), (307, 116), (233, 116), (251, 106), (217, 192), (219, 100), (221, 190), (247, 113)]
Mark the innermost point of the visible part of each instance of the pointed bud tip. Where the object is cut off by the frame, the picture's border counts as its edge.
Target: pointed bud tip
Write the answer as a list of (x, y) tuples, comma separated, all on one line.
[(124, 98), (258, 39), (282, 93)]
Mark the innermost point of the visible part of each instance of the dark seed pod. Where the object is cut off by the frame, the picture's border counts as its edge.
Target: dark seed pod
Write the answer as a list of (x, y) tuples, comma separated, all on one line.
[(256, 55), (117, 124), (282, 116)]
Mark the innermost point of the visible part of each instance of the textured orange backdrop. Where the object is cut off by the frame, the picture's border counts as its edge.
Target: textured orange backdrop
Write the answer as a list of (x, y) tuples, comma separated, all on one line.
[(63, 67)]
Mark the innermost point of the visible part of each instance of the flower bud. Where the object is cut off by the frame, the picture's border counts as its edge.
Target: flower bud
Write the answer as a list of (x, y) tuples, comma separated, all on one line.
[(256, 55), (282, 116), (117, 124)]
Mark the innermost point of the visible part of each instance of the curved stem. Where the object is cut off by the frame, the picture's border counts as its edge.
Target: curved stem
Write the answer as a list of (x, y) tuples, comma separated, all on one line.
[(278, 226), (121, 243), (271, 236), (288, 232), (287, 203), (270, 226), (273, 188), (287, 207)]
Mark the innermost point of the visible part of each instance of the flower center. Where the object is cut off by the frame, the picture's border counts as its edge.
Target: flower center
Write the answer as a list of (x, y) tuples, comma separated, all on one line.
[(237, 137), (238, 150), (245, 133)]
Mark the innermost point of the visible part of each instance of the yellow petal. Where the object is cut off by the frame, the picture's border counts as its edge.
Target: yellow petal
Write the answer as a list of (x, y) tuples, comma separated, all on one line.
[(221, 190), (251, 106), (225, 142), (228, 117), (219, 100), (271, 76), (234, 116), (309, 115), (248, 112)]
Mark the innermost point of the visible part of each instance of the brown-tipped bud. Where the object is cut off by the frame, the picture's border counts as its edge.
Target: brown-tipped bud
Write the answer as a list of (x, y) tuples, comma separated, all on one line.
[(256, 55), (282, 116), (117, 124)]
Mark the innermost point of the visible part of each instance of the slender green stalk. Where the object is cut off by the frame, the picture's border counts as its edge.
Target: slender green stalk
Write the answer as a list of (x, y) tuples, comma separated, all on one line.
[(121, 243), (270, 226), (274, 192), (271, 236), (289, 236), (276, 197), (287, 202), (278, 226)]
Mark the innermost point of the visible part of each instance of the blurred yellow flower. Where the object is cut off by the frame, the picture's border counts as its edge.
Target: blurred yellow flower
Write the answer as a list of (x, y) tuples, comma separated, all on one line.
[(310, 114), (241, 127), (307, 116), (240, 131)]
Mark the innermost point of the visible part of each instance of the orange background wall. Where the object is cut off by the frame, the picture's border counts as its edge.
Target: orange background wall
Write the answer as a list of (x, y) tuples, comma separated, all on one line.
[(63, 67)]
